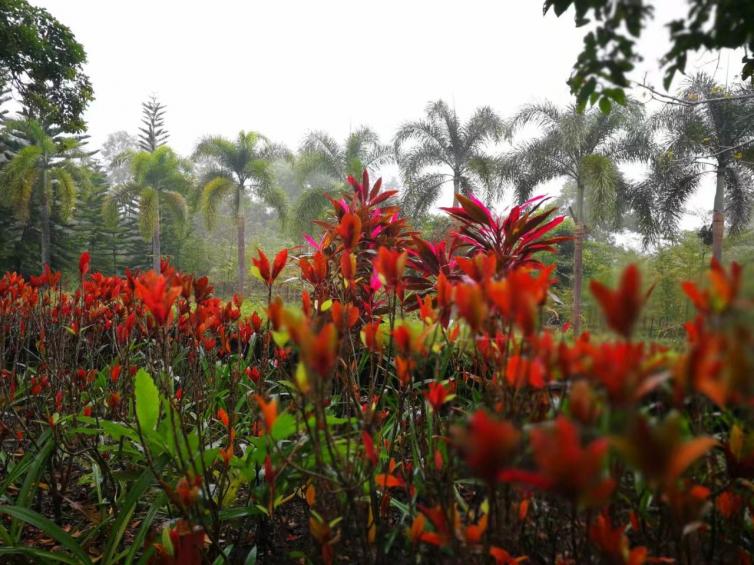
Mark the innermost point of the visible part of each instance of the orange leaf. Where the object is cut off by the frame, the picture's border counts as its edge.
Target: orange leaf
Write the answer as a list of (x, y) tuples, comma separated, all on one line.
[(686, 454)]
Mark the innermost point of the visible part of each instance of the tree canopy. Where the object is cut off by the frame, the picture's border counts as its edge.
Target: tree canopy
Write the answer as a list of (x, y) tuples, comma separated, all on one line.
[(610, 52), (43, 63)]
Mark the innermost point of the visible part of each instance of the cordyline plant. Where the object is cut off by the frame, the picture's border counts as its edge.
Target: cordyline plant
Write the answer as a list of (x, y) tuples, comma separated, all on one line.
[(413, 406)]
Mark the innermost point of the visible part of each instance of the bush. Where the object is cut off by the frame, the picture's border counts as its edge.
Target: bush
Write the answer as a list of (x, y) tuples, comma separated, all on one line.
[(412, 406)]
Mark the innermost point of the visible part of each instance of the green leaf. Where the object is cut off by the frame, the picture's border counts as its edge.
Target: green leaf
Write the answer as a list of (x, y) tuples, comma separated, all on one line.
[(40, 555), (117, 430), (32, 458), (147, 401), (49, 528), (135, 492), (284, 426), (280, 338), (251, 558), (31, 481), (605, 105), (256, 273), (238, 512), (141, 535)]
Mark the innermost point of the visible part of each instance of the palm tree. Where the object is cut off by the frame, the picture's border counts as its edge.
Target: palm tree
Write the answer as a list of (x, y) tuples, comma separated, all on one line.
[(323, 165), (235, 168), (40, 174), (321, 153), (586, 148), (440, 149), (159, 178), (710, 130)]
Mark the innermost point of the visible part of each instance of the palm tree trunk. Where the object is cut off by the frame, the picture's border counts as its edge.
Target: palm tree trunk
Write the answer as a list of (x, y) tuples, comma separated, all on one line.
[(718, 214), (456, 187), (241, 225), (44, 220), (156, 253), (578, 265)]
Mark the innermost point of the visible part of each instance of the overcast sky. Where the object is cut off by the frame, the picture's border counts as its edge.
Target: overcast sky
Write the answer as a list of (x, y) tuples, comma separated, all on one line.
[(284, 67)]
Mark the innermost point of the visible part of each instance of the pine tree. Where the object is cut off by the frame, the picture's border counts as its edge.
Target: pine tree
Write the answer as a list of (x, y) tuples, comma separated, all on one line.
[(153, 133)]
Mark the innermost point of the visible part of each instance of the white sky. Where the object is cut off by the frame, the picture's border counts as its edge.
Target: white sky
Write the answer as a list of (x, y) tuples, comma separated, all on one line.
[(284, 67)]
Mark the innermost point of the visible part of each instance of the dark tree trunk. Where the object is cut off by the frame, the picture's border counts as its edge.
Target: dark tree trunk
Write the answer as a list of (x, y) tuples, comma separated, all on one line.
[(456, 187), (156, 253), (578, 260), (241, 224), (718, 214), (44, 220)]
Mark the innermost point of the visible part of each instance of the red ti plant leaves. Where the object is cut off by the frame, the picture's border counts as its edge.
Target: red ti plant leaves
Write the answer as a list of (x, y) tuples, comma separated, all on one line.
[(314, 271), (187, 546), (84, 261), (269, 411), (261, 264), (565, 466), (659, 451), (115, 372), (222, 416), (613, 543), (514, 240), (518, 295), (440, 537), (324, 536), (739, 453), (487, 445), (391, 479), (502, 557), (729, 504), (319, 351), (722, 291), (349, 230), (622, 305), (389, 265), (471, 305), (279, 264), (437, 395), (158, 295), (369, 450), (344, 316)]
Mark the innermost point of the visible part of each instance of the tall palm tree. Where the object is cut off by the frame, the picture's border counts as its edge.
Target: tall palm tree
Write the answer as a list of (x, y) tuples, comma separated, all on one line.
[(40, 174), (440, 149), (160, 180), (237, 168), (323, 165), (586, 148), (713, 132)]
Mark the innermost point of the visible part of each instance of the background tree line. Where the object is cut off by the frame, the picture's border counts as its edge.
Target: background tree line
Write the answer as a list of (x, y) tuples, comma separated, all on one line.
[(134, 200)]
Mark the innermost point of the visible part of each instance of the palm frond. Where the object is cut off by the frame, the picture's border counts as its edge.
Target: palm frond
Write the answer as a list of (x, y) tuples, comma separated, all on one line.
[(320, 153), (485, 174), (214, 192), (739, 197), (601, 179), (422, 192), (149, 212), (275, 198), (65, 188), (310, 205), (177, 205), (544, 114)]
